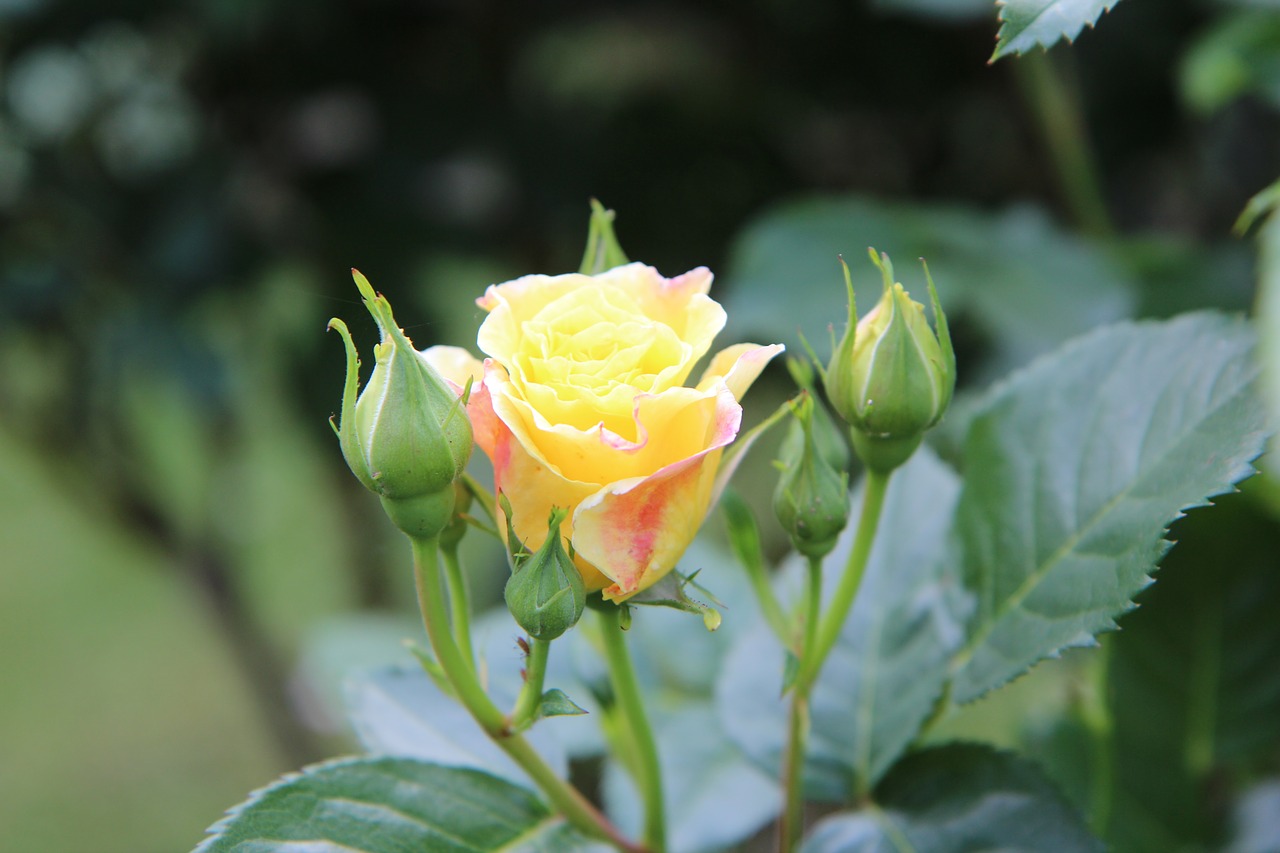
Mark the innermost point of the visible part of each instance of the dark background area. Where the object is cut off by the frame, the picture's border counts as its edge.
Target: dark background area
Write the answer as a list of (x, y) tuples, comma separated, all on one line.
[(184, 185)]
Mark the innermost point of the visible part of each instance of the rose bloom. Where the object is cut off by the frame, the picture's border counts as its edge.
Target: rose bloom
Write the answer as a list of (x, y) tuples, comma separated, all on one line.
[(581, 404)]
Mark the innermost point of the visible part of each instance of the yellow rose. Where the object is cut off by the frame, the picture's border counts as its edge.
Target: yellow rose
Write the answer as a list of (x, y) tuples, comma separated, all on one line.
[(581, 404)]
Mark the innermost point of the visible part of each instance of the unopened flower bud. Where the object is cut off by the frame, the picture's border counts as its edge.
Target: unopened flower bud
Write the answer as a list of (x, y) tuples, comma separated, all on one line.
[(407, 436), (891, 377), (545, 593), (812, 497), (827, 435)]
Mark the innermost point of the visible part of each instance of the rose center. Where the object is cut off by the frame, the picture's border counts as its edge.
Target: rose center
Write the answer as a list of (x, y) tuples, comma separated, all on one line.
[(595, 351)]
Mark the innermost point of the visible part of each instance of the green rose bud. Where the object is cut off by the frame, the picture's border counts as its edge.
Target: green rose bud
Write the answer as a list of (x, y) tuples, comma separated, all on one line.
[(407, 436), (827, 435), (812, 497), (545, 593), (891, 377)]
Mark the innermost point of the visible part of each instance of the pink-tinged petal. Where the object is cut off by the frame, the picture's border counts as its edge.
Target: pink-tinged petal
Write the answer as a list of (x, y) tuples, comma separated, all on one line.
[(635, 530), (531, 486), (681, 302), (739, 366), (455, 365)]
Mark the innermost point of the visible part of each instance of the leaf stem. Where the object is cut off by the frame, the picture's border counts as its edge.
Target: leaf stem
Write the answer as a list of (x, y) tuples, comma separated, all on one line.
[(791, 825), (564, 797), (744, 540), (531, 694), (626, 689), (459, 603), (1056, 106), (838, 611)]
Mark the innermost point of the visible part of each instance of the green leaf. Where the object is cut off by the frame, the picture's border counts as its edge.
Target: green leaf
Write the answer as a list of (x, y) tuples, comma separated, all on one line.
[(1021, 281), (957, 799), (1027, 23), (1256, 821), (958, 11), (555, 703), (1238, 55), (1193, 678), (890, 662), (670, 592), (1075, 467), (1263, 206), (390, 805), (402, 712), (714, 796)]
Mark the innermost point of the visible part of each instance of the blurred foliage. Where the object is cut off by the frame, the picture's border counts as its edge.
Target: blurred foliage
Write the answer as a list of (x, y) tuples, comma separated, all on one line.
[(183, 186)]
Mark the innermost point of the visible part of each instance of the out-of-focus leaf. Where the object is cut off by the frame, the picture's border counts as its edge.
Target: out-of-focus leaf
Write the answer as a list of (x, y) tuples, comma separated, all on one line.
[(890, 662), (1256, 822), (1193, 678), (343, 646), (714, 796), (1269, 298), (1240, 54), (390, 805), (401, 712), (1023, 282), (957, 799), (1026, 24), (943, 10), (1075, 467)]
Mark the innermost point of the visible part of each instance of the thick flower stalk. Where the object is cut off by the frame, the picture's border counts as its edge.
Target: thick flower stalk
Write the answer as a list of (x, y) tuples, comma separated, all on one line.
[(581, 404)]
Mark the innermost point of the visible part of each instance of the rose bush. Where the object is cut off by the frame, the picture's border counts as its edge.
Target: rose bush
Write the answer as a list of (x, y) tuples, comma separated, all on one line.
[(581, 404)]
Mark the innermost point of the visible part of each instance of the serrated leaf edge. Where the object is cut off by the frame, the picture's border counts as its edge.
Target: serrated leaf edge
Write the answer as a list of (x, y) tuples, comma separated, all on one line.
[(1002, 43), (215, 830), (1243, 471)]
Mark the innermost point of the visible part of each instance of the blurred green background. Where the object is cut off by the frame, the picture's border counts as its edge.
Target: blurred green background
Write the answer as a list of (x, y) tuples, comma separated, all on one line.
[(185, 563)]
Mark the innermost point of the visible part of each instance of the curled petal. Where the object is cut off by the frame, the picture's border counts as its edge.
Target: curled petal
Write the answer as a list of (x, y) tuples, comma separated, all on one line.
[(739, 366), (635, 530)]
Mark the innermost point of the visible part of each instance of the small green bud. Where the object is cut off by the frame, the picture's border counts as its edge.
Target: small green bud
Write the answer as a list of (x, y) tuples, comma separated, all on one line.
[(545, 593), (891, 377), (828, 437), (451, 536), (407, 436), (812, 497)]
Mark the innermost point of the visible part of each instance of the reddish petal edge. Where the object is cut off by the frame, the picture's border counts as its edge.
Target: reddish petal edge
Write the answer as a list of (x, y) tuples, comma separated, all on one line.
[(635, 530)]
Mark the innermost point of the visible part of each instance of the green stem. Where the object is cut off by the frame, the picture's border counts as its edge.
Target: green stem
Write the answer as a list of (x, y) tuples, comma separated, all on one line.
[(566, 799), (791, 825), (626, 689), (838, 611), (813, 607), (459, 603), (531, 694), (1097, 717), (744, 540), (1057, 110)]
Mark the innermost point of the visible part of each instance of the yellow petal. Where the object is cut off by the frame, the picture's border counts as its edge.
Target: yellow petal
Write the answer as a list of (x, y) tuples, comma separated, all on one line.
[(455, 364), (739, 366)]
